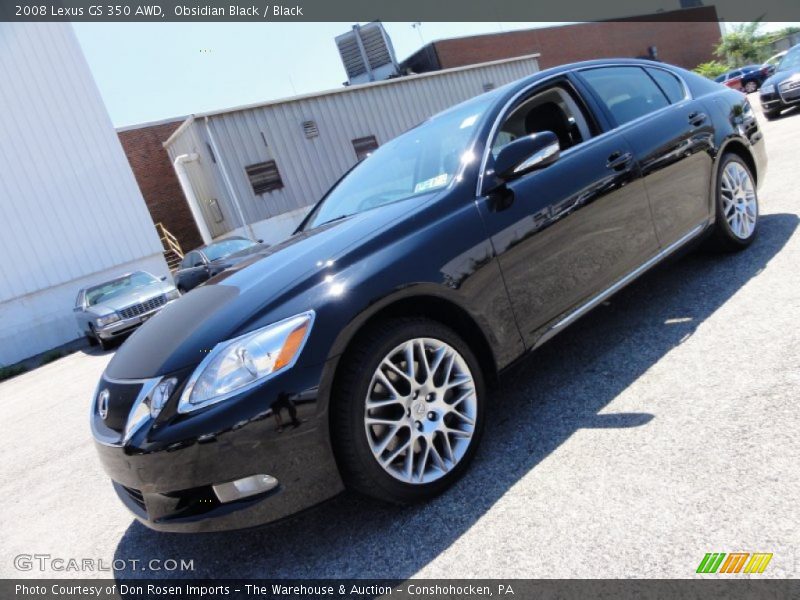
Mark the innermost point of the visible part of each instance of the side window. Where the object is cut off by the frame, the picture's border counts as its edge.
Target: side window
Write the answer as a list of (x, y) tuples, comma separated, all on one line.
[(193, 259), (79, 300), (553, 109), (627, 92), (669, 84)]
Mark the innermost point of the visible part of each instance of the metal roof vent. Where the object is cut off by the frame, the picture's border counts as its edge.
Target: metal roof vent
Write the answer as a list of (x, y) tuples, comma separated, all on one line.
[(310, 129), (367, 53)]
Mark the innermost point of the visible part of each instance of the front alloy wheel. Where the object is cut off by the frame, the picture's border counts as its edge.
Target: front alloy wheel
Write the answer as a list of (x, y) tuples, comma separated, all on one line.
[(421, 407), (407, 412)]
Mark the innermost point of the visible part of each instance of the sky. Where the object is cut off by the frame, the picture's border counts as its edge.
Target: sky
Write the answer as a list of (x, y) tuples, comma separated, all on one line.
[(153, 71)]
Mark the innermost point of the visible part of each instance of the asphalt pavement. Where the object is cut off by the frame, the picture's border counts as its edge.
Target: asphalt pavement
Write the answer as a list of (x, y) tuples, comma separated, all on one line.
[(662, 426)]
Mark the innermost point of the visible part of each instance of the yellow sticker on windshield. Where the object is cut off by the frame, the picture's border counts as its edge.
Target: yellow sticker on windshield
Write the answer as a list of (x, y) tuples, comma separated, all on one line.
[(431, 183)]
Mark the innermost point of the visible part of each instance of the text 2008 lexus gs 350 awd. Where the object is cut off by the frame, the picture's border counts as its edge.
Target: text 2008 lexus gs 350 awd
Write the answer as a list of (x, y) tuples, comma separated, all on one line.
[(357, 352)]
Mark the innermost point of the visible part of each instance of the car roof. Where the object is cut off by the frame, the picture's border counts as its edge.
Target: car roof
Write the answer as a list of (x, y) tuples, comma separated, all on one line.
[(122, 276), (514, 87), (227, 239)]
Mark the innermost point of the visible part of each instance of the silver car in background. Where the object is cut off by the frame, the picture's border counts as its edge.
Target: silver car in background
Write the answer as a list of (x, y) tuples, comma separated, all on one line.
[(116, 307)]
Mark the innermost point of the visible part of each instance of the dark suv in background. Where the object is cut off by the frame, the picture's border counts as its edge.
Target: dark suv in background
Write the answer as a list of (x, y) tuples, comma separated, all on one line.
[(782, 89)]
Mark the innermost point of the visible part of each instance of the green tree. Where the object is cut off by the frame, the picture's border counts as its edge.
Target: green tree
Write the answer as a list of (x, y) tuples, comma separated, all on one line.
[(711, 69), (745, 44)]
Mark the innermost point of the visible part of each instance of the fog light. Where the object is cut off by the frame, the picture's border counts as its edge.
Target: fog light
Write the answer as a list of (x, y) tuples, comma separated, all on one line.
[(242, 488)]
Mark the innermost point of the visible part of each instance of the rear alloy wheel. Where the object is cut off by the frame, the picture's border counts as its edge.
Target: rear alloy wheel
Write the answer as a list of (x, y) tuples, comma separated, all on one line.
[(750, 87), (737, 205), (408, 413)]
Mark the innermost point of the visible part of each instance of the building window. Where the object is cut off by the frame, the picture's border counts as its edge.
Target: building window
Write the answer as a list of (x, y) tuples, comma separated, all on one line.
[(310, 129), (264, 177), (365, 146)]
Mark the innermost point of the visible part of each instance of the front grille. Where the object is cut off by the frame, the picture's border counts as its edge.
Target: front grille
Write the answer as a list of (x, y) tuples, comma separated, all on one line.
[(143, 307), (790, 91), (790, 85), (121, 398), (136, 496)]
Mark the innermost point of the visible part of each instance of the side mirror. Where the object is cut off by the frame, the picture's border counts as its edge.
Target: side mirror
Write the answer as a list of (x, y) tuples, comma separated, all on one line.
[(527, 154), (163, 278), (260, 241)]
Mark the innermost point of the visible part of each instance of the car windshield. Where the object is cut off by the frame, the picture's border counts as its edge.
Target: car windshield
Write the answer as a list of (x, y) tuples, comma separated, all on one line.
[(227, 247), (118, 287), (417, 162), (790, 61)]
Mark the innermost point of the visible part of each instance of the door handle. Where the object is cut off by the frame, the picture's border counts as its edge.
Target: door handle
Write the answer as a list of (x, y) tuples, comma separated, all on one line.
[(697, 118), (618, 160)]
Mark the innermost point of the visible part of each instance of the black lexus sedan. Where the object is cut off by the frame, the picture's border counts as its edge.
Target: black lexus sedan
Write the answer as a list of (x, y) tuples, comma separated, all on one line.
[(782, 89), (199, 265), (357, 353)]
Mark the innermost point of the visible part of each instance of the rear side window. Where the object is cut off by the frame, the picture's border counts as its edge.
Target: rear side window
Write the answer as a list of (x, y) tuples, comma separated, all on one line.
[(669, 84), (627, 92)]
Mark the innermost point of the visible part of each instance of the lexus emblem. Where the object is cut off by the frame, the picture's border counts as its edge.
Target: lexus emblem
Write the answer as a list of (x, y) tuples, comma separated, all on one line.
[(102, 404)]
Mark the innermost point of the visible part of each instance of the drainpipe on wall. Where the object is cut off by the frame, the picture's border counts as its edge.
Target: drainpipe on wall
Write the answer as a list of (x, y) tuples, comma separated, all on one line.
[(186, 185), (227, 180)]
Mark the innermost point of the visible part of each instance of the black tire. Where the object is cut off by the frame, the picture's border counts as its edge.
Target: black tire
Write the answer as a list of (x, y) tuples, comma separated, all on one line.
[(359, 467), (750, 87), (104, 344), (91, 339), (771, 115), (723, 238)]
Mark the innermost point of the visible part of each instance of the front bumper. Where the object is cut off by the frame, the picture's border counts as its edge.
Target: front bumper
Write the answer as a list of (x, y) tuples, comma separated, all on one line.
[(165, 472), (123, 326), (784, 96)]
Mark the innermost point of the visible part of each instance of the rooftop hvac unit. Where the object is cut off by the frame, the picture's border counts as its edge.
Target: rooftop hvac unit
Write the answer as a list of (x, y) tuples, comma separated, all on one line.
[(367, 53)]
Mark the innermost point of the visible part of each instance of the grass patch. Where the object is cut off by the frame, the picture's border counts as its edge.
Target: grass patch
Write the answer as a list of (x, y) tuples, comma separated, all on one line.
[(50, 356), (11, 371)]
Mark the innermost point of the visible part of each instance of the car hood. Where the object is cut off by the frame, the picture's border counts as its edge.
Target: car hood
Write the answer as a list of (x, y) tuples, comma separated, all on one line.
[(781, 76), (231, 303), (136, 296)]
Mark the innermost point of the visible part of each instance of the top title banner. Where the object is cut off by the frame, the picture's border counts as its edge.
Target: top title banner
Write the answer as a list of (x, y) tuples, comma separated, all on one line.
[(397, 10)]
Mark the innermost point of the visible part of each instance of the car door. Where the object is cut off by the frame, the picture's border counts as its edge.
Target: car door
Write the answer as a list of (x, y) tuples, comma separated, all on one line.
[(566, 232), (671, 135), (193, 272)]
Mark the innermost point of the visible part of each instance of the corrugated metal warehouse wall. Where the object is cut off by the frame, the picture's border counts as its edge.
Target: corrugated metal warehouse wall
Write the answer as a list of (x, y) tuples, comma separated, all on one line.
[(72, 213), (309, 166)]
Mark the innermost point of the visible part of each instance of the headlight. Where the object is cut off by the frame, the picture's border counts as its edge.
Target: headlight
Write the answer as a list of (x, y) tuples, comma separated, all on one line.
[(241, 362), (768, 89), (107, 320), (173, 294)]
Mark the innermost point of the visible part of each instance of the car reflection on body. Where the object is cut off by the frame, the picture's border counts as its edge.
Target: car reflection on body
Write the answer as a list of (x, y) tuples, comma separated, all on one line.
[(201, 264), (112, 309), (357, 353)]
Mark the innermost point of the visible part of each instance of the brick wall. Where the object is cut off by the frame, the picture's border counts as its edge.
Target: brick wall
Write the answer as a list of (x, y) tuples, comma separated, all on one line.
[(158, 182), (683, 43)]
